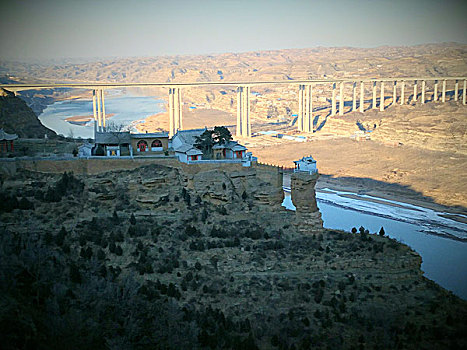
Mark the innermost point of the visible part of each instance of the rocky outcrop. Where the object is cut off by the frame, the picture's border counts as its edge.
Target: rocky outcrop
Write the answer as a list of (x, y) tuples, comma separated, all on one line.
[(16, 117), (307, 217)]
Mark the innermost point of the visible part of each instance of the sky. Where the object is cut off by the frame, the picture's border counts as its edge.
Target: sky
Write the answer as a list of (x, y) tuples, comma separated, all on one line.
[(45, 29)]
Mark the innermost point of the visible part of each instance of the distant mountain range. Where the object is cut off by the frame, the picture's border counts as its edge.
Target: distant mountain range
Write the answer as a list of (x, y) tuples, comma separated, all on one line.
[(448, 59)]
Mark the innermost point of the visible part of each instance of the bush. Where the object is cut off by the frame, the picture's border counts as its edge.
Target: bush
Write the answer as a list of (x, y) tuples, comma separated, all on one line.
[(25, 204), (192, 231), (118, 250), (51, 196), (132, 219), (60, 237)]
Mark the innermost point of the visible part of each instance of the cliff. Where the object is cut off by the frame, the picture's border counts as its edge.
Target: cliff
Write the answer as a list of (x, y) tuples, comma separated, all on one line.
[(16, 117), (171, 256), (308, 217)]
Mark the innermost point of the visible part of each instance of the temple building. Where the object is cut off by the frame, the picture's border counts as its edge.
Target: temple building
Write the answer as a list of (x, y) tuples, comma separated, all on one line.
[(7, 141), (230, 150), (183, 145), (117, 144), (306, 164), (184, 141), (150, 143)]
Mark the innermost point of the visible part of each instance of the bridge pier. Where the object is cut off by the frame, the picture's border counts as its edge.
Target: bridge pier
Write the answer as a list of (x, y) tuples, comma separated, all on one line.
[(362, 97), (435, 91), (175, 111), (305, 108), (374, 95), (94, 110), (415, 92), (456, 91), (243, 112), (341, 98), (103, 109), (99, 112), (98, 108), (402, 92), (394, 93), (381, 99), (354, 96), (423, 91), (333, 103), (464, 93), (443, 93)]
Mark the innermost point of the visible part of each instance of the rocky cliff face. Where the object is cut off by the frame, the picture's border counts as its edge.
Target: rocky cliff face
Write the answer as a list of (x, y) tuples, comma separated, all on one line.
[(308, 217), (16, 117), (203, 258), (252, 194)]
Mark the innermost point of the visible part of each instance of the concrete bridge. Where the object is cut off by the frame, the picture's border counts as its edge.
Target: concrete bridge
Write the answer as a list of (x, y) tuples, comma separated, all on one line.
[(305, 96)]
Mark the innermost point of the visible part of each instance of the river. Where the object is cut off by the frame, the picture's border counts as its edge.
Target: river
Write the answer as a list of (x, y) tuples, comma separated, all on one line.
[(437, 239), (126, 110)]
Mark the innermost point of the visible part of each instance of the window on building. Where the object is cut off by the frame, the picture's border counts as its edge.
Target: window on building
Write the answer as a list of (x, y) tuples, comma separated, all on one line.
[(156, 143), (142, 146)]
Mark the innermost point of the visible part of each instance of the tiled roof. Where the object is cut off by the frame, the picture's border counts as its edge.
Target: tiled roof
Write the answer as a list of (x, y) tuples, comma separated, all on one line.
[(113, 137), (4, 136), (183, 148), (189, 136), (193, 151), (149, 135), (232, 145)]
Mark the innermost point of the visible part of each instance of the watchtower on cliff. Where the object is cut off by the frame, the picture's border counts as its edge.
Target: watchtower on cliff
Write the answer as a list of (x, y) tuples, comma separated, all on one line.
[(306, 164), (303, 181)]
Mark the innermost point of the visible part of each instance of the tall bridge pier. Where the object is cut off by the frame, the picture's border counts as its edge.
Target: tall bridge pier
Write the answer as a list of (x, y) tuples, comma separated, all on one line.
[(243, 112), (98, 108), (305, 108), (175, 110)]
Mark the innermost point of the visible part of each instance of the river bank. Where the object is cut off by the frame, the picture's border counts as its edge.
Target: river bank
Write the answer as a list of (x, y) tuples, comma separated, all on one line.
[(440, 241), (406, 173), (388, 191)]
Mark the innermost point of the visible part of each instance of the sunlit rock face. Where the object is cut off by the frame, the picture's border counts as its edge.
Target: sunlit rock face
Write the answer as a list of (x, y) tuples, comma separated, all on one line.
[(308, 217)]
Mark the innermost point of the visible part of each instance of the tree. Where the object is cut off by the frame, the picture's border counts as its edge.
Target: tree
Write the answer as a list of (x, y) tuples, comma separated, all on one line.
[(221, 135), (205, 142), (25, 204), (354, 230), (132, 219), (381, 231)]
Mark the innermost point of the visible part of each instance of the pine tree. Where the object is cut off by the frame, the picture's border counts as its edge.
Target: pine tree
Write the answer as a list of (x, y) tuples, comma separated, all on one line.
[(132, 219)]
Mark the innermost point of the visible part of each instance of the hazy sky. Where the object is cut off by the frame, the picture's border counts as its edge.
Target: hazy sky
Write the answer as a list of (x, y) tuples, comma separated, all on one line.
[(98, 28)]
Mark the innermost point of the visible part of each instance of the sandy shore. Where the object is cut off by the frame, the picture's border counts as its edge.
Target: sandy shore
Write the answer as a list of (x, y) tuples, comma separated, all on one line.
[(192, 119), (85, 118), (427, 178), (389, 192)]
